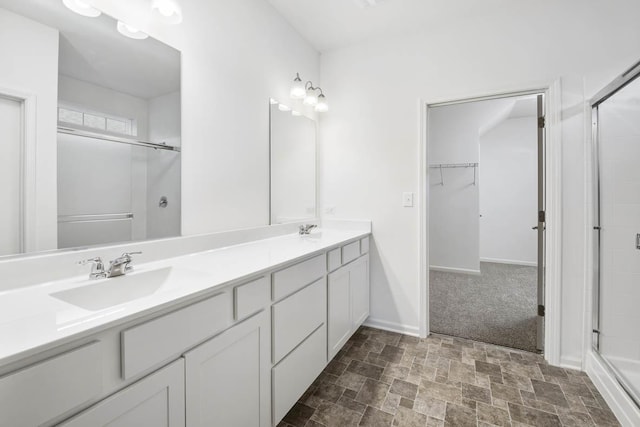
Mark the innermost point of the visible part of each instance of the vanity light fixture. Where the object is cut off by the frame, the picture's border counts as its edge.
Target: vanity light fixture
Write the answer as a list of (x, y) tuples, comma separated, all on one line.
[(167, 10), (307, 92), (131, 32), (82, 8), (298, 90)]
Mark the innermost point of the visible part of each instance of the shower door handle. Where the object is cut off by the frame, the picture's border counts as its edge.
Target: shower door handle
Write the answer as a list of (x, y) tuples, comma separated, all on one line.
[(534, 228), (638, 241)]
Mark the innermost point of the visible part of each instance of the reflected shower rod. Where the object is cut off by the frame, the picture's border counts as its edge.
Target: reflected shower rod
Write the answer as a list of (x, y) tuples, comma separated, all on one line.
[(129, 141)]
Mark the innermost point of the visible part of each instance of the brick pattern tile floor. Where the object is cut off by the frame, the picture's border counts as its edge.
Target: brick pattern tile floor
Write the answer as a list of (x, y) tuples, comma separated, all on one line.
[(382, 378)]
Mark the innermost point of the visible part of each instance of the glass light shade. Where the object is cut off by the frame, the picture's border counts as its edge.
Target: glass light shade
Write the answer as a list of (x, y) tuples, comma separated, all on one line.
[(311, 98), (131, 32), (322, 106), (167, 11), (82, 8), (297, 89)]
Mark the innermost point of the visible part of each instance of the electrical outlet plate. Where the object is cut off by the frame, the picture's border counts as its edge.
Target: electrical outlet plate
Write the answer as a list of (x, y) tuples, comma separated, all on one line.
[(407, 200)]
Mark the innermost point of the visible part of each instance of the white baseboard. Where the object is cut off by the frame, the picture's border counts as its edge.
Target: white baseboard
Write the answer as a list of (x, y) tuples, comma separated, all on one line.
[(618, 400), (571, 363), (510, 261), (454, 270), (414, 331)]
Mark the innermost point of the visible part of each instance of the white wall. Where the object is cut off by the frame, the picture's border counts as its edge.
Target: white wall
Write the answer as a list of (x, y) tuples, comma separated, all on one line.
[(235, 56), (370, 139), (29, 53), (163, 167), (509, 192)]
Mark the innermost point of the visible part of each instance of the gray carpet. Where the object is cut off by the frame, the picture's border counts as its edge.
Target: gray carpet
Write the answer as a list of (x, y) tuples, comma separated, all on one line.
[(498, 307)]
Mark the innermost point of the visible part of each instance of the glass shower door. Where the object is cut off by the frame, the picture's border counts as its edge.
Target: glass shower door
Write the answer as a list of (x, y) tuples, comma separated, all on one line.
[(618, 142)]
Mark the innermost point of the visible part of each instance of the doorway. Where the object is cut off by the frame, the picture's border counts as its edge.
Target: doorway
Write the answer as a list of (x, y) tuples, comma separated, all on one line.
[(11, 171), (486, 221)]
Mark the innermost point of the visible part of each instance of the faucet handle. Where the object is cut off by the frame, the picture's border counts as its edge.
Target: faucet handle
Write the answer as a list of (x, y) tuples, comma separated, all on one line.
[(128, 254), (97, 267)]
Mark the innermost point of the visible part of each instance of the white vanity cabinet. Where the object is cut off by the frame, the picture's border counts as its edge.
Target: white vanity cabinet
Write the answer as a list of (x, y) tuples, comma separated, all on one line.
[(227, 377), (348, 302), (156, 400), (240, 354)]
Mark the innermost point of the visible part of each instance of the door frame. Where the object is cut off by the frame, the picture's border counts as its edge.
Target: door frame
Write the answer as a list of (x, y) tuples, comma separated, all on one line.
[(27, 167), (553, 199)]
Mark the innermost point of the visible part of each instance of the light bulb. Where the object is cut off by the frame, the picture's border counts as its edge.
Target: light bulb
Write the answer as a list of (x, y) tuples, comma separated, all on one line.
[(297, 88), (311, 98), (82, 8), (131, 32), (322, 106), (167, 11)]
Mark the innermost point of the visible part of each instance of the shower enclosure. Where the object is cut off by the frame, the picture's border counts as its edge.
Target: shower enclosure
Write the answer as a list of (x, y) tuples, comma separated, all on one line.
[(616, 333)]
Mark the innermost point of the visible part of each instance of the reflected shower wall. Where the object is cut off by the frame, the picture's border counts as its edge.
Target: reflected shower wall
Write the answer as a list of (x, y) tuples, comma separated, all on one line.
[(618, 121), (110, 192)]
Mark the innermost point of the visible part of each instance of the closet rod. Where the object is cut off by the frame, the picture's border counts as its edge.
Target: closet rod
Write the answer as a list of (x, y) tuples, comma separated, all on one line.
[(129, 141)]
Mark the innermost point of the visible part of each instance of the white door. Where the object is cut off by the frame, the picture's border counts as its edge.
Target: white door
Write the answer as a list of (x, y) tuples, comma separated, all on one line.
[(228, 377), (156, 400), (359, 280), (11, 176), (339, 305)]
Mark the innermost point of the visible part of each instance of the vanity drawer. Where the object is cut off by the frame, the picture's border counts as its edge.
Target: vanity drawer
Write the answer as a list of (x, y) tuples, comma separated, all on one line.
[(364, 246), (38, 393), (350, 252), (296, 317), (289, 280), (251, 297), (334, 259), (161, 339), (297, 371)]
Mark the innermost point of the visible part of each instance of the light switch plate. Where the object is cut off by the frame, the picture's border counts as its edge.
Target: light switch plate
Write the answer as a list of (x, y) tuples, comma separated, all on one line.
[(407, 200)]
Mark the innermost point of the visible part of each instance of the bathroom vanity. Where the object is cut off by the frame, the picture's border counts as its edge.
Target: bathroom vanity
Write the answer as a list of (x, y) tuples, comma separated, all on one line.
[(230, 337)]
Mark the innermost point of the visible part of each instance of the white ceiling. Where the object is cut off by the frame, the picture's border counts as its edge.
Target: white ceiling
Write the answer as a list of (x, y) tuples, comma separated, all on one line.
[(92, 50), (331, 24)]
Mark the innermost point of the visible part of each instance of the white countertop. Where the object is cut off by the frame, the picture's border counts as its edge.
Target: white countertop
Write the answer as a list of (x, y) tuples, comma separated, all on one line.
[(31, 320)]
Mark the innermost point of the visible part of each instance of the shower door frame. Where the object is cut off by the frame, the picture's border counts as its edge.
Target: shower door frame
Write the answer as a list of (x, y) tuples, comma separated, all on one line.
[(614, 87), (553, 202)]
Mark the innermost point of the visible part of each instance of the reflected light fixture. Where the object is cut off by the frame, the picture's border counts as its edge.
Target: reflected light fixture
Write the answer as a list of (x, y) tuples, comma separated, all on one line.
[(283, 107), (295, 113), (82, 8), (322, 106), (131, 32), (167, 10)]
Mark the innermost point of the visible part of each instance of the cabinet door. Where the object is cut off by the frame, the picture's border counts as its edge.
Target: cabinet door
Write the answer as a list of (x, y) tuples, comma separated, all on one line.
[(228, 377), (156, 400), (359, 281), (339, 310)]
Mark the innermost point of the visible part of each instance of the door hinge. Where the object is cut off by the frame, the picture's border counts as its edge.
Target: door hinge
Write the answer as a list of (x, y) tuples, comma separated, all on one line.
[(541, 310), (541, 122), (542, 217)]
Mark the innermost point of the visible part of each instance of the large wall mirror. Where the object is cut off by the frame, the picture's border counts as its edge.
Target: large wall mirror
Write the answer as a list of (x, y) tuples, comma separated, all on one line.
[(293, 165), (92, 136)]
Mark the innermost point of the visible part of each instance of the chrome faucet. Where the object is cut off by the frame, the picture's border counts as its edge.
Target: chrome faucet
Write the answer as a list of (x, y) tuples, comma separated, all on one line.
[(306, 229), (121, 265), (97, 268)]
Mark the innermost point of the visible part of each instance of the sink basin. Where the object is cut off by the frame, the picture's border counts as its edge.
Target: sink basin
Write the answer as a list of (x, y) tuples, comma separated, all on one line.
[(105, 293)]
